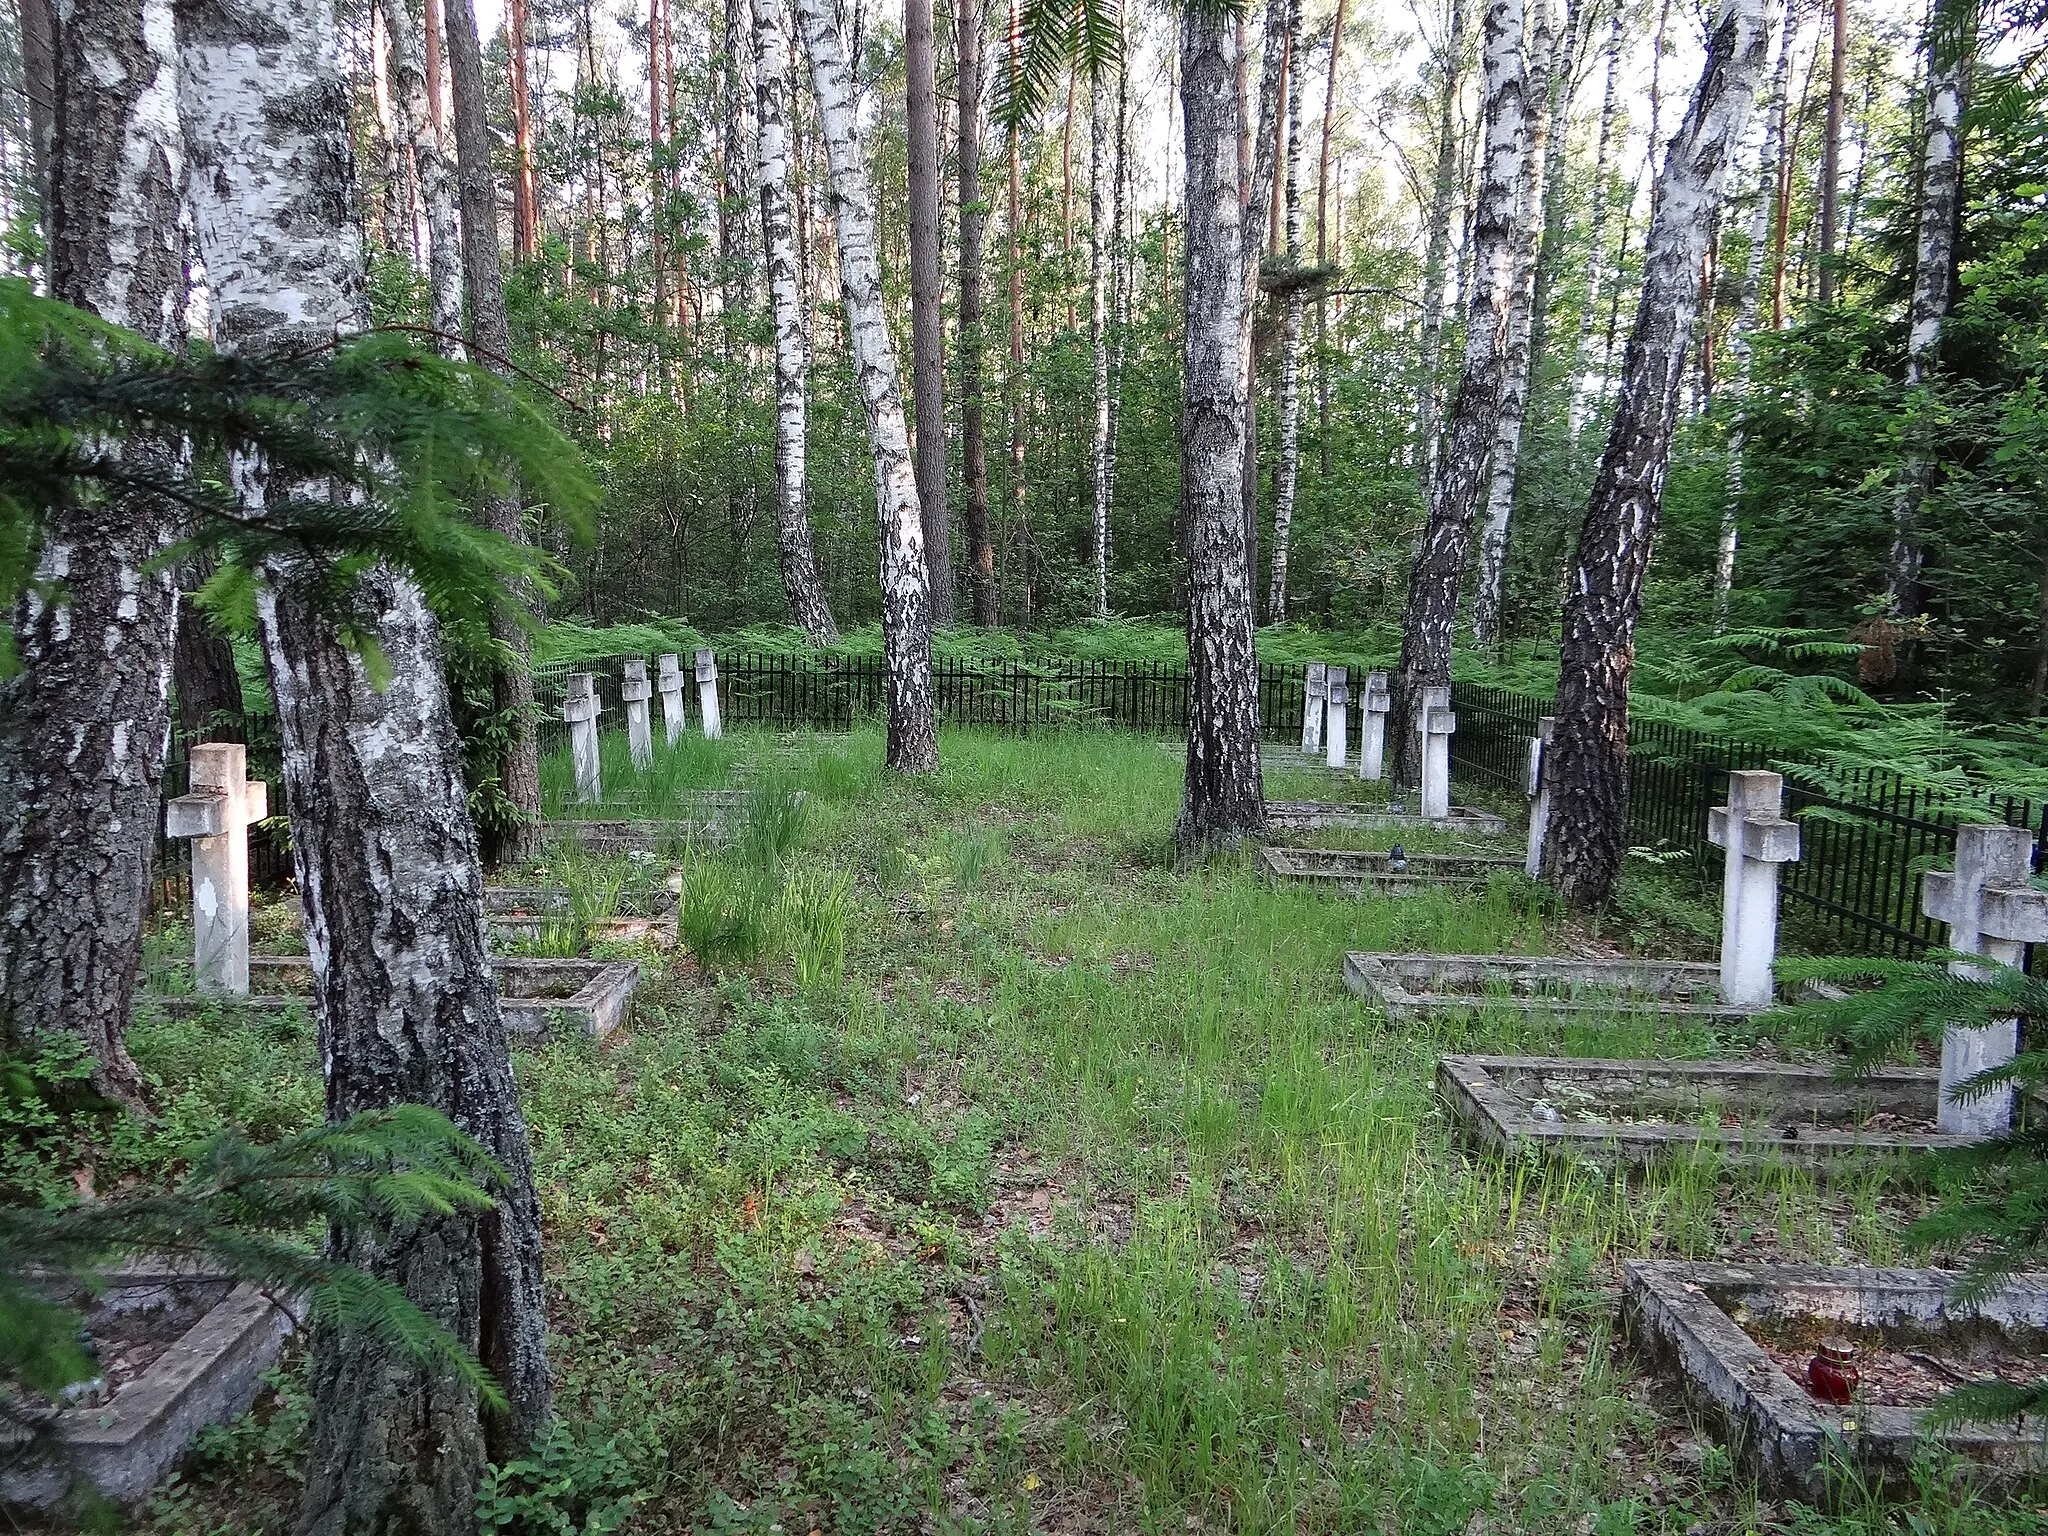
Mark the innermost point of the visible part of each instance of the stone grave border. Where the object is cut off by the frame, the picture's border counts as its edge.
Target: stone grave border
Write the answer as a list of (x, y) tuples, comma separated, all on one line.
[(208, 1376), (1494, 1116), (1339, 816), (527, 912), (1390, 981), (1781, 1433), (1370, 876)]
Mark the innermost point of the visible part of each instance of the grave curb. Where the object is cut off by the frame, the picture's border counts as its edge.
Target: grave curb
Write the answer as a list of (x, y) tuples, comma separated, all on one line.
[(1338, 815), (1370, 976), (1444, 871)]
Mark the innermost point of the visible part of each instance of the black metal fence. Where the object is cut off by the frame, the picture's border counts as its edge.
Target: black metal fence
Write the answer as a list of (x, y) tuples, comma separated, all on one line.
[(1864, 844)]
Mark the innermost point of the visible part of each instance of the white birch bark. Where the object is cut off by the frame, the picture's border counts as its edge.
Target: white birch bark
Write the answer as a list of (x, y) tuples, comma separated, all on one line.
[(1951, 48), (1290, 340), (1596, 234), (808, 605), (1515, 376), (1437, 247), (416, 129), (906, 593), (1098, 330)]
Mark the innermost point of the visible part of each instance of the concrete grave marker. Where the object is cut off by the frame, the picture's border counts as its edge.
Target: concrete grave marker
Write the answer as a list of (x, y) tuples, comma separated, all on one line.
[(216, 816), (1315, 694), (581, 709), (636, 691), (1337, 717), (1536, 785), (674, 708), (1991, 910), (707, 694), (1436, 724), (1374, 706), (1758, 840)]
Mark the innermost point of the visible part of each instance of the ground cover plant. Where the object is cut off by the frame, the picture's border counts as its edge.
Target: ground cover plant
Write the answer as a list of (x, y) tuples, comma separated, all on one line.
[(1078, 1197)]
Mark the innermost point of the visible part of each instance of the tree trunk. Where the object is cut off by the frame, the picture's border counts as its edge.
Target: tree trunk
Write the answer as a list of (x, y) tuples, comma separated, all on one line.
[(981, 552), (525, 195), (85, 722), (1257, 188), (927, 303), (1567, 55), (491, 341), (203, 674), (1222, 801), (1951, 50), (1603, 598), (1432, 607), (1016, 382), (437, 188), (39, 94), (1596, 234), (1098, 331), (381, 837), (1436, 250), (906, 601), (1831, 152), (1519, 372), (1290, 344), (807, 602), (1323, 242)]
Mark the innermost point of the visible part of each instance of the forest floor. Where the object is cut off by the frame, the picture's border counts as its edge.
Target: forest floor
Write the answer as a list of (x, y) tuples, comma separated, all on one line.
[(1086, 1199)]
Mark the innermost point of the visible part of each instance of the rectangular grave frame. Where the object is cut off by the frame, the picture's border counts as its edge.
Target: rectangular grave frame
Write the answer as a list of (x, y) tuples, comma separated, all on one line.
[(1644, 986), (599, 1002), (1342, 816), (211, 1373), (1362, 872), (1782, 1434), (528, 912), (1478, 1091)]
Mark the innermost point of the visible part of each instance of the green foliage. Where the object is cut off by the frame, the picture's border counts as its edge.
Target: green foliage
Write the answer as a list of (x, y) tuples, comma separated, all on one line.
[(41, 1092), (570, 1484)]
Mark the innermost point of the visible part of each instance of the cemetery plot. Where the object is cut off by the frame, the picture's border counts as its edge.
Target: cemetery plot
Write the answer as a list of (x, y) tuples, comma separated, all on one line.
[(176, 1350), (1358, 872), (1744, 1340), (528, 913), (599, 835), (1411, 986), (1338, 816), (1632, 1112)]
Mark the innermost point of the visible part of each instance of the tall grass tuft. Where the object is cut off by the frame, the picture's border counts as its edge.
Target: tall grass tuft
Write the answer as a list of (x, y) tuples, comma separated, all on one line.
[(726, 915), (813, 911)]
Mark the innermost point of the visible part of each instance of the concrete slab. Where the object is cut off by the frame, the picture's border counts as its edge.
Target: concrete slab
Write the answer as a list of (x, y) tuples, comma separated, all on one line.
[(1337, 815), (1365, 873), (527, 913), (1410, 986)]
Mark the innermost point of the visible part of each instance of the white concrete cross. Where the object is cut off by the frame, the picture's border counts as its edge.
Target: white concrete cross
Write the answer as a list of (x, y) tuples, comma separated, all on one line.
[(1337, 717), (1536, 785), (1315, 694), (636, 691), (674, 708), (1435, 723), (707, 694), (1991, 910), (581, 709), (1758, 838), (216, 816), (1374, 708)]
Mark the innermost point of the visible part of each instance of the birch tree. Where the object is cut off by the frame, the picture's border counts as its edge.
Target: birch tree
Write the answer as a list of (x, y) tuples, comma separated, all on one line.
[(1098, 328), (906, 592), (1222, 801), (437, 185), (927, 289), (1432, 607), (1596, 233), (1449, 64), (1603, 596), (970, 337), (1951, 50), (85, 722), (382, 841), (1290, 343), (1517, 373), (1256, 190), (808, 605)]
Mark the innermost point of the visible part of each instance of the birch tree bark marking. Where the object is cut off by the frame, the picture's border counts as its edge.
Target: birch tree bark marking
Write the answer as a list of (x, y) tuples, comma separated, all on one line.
[(1432, 608), (1951, 49), (1222, 801), (381, 836), (808, 605), (1603, 599), (85, 723), (437, 185), (906, 592), (1290, 347)]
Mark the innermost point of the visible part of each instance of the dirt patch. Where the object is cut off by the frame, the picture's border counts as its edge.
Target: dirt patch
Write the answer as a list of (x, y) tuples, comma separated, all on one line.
[(1900, 1374)]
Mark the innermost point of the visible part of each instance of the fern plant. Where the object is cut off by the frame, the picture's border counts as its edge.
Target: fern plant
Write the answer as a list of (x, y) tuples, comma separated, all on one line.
[(1996, 1218)]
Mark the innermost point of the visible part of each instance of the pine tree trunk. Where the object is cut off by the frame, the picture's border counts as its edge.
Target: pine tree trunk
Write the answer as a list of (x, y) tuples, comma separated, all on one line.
[(1290, 345), (1323, 242), (1518, 373), (490, 335), (1437, 248), (39, 92), (525, 194), (1567, 58), (1098, 330), (85, 722), (1016, 382), (808, 605), (1596, 233), (1603, 598), (385, 851), (1432, 607), (1951, 50), (1258, 195), (1831, 152), (906, 601), (203, 673), (927, 303), (437, 187), (1222, 802), (981, 552)]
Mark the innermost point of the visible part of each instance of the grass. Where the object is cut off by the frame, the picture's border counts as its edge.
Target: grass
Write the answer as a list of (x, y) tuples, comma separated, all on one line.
[(974, 1169)]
